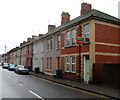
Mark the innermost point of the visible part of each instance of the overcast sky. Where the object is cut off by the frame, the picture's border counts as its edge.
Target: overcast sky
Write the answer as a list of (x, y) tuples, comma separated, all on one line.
[(20, 19)]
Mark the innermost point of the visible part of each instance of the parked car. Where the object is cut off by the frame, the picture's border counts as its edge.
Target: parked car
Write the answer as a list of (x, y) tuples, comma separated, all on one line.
[(5, 65), (12, 67), (0, 64), (20, 69)]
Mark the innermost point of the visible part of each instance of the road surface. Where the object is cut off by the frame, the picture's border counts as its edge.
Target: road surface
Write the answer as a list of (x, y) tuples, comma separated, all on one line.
[(13, 85)]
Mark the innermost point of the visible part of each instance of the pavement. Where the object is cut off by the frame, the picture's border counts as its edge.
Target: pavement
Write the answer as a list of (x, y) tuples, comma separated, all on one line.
[(97, 89)]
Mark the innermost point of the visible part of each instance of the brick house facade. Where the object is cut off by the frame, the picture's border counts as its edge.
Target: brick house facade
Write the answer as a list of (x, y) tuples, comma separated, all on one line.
[(101, 34)]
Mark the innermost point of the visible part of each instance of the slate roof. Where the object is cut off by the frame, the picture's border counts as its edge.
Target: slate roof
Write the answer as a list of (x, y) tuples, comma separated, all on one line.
[(93, 14)]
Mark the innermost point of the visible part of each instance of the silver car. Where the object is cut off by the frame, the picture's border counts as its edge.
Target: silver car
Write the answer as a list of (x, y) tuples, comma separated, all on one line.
[(5, 65), (20, 69)]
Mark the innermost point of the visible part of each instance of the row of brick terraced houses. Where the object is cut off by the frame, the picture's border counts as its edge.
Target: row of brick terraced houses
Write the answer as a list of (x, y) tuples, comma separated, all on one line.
[(57, 49)]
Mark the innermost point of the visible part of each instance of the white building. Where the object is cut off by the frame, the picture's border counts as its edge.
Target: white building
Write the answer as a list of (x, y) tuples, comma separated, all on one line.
[(38, 54)]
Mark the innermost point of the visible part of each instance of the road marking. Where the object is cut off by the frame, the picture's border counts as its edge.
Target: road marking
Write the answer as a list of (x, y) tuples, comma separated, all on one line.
[(20, 84), (36, 95), (97, 95)]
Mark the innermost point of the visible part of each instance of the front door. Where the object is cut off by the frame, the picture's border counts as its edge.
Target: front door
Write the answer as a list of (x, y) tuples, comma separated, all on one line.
[(86, 68)]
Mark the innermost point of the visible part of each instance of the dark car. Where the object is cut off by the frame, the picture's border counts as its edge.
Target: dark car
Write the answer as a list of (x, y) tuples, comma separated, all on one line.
[(12, 67), (20, 69), (5, 65)]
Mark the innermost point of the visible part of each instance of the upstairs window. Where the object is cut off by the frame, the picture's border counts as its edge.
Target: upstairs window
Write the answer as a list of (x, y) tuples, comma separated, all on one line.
[(51, 43), (58, 41), (41, 46), (86, 32), (68, 38), (73, 37), (48, 44)]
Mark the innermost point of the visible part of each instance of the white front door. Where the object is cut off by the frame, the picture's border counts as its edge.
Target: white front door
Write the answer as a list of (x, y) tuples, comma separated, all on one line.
[(86, 68)]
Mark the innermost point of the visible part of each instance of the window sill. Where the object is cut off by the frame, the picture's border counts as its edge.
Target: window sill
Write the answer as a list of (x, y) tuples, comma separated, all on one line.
[(48, 50), (86, 43), (71, 72), (70, 46), (57, 48)]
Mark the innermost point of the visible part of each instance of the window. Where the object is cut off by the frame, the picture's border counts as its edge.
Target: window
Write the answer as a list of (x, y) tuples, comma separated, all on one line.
[(73, 64), (47, 63), (67, 63), (50, 62), (58, 41), (68, 39), (51, 43), (86, 32), (48, 44), (41, 45), (73, 36), (70, 64)]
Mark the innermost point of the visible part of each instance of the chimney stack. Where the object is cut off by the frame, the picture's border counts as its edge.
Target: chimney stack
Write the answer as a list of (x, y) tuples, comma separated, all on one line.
[(50, 27), (85, 7), (40, 35), (65, 17), (29, 39)]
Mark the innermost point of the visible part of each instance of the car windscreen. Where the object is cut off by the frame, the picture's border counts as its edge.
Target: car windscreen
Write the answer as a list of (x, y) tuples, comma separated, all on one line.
[(21, 67), (6, 64)]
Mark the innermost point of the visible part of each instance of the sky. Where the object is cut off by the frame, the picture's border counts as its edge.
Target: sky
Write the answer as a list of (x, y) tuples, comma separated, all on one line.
[(20, 19)]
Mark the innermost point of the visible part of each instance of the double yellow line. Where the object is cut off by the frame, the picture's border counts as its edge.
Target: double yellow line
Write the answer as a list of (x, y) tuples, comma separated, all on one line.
[(90, 93)]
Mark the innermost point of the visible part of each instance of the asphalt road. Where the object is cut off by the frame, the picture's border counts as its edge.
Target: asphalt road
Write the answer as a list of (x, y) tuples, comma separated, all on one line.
[(13, 85)]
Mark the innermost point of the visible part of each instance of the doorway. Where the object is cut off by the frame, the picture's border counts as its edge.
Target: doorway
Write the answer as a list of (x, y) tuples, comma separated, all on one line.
[(86, 68)]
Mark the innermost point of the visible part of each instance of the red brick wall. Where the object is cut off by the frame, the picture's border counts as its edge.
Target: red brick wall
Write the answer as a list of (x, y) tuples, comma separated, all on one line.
[(106, 34), (106, 48), (70, 50), (106, 59), (85, 48)]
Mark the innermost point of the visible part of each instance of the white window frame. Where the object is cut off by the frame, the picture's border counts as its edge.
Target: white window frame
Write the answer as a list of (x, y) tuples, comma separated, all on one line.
[(51, 43), (73, 63), (67, 38), (86, 33), (48, 44), (73, 37), (67, 58), (58, 42)]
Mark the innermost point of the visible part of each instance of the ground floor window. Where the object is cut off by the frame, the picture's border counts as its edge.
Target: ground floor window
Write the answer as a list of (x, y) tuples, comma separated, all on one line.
[(70, 64), (49, 63)]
